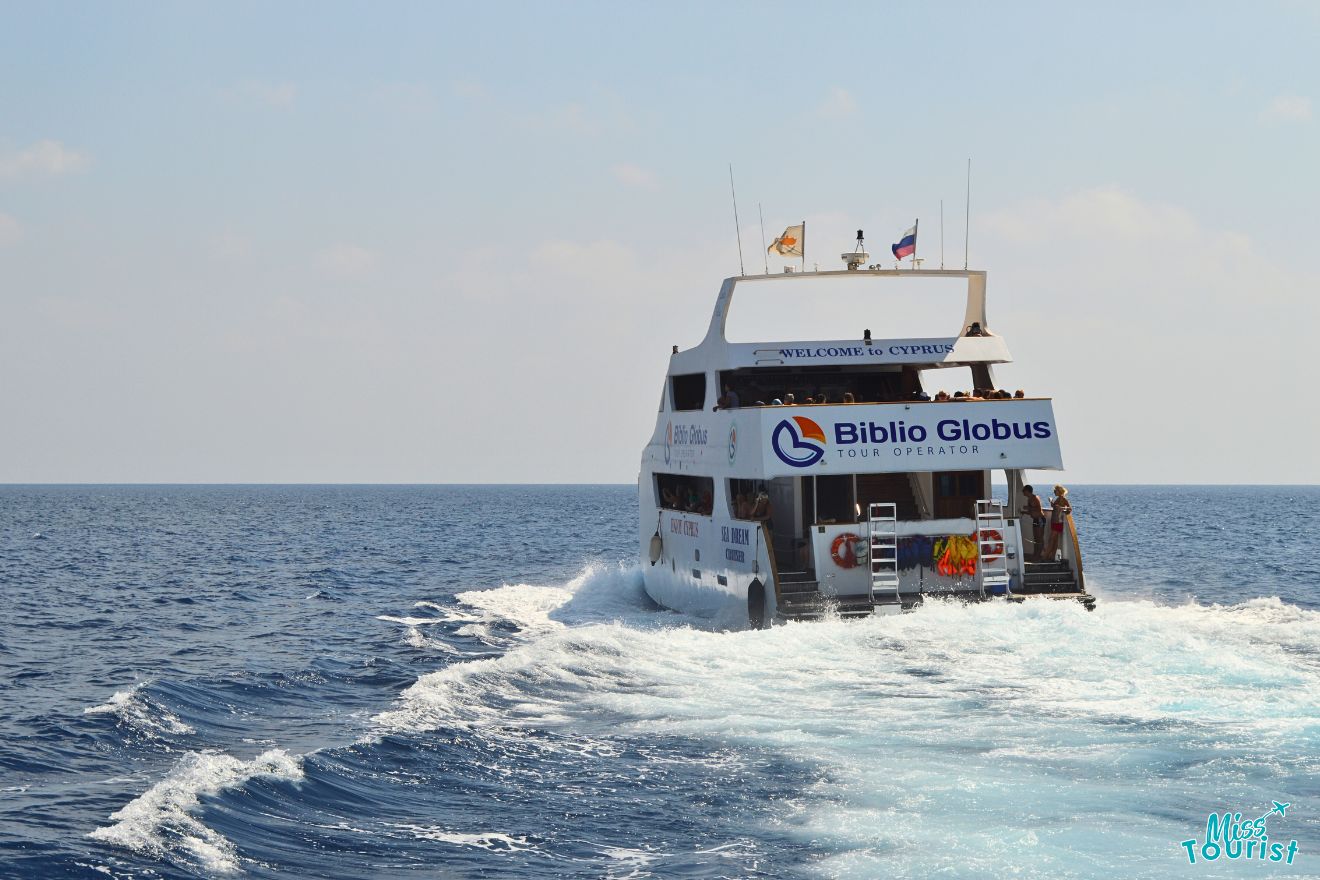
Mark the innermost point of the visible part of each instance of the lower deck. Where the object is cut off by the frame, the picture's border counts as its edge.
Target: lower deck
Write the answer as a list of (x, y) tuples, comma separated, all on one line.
[(850, 544)]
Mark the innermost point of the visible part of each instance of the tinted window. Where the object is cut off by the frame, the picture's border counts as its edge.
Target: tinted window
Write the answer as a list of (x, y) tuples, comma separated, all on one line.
[(689, 391)]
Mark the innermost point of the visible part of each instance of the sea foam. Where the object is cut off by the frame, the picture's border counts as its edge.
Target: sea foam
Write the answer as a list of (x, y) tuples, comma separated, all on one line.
[(159, 822)]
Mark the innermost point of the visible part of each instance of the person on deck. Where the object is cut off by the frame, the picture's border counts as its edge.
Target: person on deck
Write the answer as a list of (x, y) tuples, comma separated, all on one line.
[(1033, 509), (1058, 516)]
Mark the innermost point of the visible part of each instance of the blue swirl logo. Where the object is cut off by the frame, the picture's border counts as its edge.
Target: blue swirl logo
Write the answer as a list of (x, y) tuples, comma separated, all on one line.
[(799, 442)]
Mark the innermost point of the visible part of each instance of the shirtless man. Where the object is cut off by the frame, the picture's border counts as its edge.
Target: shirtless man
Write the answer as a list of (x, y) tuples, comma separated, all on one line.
[(1037, 514)]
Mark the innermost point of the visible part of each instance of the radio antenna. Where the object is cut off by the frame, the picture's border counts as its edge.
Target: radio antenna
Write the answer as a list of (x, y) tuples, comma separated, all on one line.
[(967, 221), (737, 228), (941, 235), (765, 251)]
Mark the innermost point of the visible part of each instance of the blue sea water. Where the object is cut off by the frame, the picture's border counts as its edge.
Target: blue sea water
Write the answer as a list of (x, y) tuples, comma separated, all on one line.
[(406, 682)]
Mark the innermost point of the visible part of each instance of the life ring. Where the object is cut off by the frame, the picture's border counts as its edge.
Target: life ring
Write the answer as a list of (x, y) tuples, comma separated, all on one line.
[(995, 550), (844, 550)]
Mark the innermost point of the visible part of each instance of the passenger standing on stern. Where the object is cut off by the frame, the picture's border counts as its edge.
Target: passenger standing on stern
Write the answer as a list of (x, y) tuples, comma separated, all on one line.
[(1037, 514), (1058, 514)]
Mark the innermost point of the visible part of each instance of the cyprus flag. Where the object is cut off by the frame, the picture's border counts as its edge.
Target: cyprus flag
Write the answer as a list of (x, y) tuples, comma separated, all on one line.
[(790, 243)]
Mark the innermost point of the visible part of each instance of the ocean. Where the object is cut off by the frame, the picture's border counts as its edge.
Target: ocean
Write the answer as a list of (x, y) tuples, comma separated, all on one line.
[(468, 681)]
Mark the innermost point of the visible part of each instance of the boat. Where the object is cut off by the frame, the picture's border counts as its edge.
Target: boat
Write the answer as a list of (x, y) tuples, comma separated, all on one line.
[(761, 504)]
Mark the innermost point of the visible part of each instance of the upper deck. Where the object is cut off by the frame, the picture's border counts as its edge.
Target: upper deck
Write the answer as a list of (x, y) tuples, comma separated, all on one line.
[(956, 348)]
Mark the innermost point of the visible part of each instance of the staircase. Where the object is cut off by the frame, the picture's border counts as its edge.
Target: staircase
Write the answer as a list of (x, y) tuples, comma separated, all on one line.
[(800, 599), (799, 596), (1056, 580)]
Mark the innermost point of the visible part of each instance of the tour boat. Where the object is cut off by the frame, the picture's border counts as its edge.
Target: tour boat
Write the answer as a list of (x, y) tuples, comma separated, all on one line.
[(756, 511)]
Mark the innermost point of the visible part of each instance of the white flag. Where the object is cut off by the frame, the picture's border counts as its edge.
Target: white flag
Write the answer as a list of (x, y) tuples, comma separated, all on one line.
[(790, 243)]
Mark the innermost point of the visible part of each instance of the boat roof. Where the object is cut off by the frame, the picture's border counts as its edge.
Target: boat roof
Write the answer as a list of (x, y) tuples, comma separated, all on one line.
[(716, 352)]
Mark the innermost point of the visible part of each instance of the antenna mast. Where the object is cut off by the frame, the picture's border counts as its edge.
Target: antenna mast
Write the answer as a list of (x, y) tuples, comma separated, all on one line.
[(737, 228), (941, 235), (967, 221)]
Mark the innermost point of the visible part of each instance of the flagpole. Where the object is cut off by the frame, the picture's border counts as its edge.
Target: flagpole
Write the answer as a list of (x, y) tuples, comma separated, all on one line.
[(765, 251), (804, 245), (915, 224), (941, 235)]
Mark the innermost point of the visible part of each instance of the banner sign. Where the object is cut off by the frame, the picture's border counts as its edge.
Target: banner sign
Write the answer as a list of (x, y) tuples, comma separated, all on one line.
[(952, 349), (915, 436)]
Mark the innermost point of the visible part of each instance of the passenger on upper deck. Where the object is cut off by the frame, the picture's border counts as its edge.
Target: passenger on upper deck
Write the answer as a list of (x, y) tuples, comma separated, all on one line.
[(789, 399), (975, 329), (941, 396), (848, 397)]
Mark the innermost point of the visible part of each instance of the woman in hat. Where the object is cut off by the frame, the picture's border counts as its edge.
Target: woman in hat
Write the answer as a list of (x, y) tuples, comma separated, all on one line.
[(1058, 514)]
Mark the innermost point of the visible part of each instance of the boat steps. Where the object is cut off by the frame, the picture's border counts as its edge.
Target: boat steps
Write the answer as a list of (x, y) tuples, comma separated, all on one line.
[(1048, 577), (802, 600)]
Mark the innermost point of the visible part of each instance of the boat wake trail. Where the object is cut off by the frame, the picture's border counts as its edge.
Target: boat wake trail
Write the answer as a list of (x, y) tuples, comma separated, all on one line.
[(957, 738), (578, 730)]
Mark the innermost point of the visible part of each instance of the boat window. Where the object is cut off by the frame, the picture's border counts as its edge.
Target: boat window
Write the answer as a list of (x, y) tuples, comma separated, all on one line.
[(685, 492), (742, 496), (956, 493), (763, 385), (689, 391), (895, 488), (835, 502)]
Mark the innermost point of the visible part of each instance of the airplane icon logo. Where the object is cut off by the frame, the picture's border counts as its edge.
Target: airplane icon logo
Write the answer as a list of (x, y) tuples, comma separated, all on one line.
[(1278, 808)]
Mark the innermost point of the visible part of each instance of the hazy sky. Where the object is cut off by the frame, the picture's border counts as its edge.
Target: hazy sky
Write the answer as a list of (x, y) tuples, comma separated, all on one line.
[(454, 243)]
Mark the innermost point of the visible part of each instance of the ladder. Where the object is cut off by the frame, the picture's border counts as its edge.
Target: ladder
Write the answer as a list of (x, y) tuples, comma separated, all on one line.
[(992, 558), (883, 533)]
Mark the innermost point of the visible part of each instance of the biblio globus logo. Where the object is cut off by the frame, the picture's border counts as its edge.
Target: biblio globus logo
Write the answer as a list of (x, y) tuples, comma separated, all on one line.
[(798, 441)]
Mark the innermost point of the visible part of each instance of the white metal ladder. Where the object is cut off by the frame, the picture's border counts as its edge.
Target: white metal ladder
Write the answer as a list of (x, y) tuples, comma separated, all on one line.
[(883, 532), (992, 556)]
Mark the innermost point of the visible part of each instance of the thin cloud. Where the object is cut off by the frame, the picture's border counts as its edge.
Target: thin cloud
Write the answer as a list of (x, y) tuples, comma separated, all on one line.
[(43, 159), (1290, 108), (838, 104), (635, 175), (255, 93), (230, 247), (345, 261), (10, 230)]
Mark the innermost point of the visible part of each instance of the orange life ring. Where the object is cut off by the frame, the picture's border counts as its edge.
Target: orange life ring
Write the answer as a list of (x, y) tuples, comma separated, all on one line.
[(996, 549), (843, 550)]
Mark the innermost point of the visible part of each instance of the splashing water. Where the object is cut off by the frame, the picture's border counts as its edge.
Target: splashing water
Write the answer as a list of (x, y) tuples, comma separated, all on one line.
[(364, 705)]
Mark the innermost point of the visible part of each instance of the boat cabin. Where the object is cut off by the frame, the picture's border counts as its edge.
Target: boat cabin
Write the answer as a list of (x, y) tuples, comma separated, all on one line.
[(863, 462)]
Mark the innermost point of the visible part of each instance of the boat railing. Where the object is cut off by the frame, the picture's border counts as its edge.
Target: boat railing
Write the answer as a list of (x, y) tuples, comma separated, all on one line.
[(906, 402)]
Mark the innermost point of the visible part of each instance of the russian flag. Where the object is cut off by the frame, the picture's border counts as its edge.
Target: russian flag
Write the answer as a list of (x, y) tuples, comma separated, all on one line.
[(907, 245)]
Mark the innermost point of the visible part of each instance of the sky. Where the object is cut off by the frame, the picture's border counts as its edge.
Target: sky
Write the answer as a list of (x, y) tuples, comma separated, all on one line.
[(332, 242)]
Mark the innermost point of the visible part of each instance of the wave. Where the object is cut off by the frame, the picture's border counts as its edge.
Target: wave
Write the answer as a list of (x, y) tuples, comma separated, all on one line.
[(133, 707), (160, 822)]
